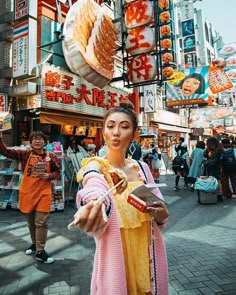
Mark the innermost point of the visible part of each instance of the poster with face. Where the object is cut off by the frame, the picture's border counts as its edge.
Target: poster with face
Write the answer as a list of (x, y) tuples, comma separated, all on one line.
[(191, 89)]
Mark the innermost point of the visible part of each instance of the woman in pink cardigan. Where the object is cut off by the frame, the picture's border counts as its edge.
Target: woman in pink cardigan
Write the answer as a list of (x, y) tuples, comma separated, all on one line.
[(130, 255)]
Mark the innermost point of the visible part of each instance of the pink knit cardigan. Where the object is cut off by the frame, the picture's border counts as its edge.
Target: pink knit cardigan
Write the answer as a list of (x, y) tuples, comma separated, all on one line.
[(108, 276)]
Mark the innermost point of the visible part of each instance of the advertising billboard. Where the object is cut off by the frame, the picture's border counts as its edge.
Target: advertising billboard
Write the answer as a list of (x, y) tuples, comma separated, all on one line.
[(192, 88), (212, 117)]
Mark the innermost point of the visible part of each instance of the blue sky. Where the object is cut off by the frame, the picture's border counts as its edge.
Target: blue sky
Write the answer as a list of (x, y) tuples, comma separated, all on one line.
[(222, 14)]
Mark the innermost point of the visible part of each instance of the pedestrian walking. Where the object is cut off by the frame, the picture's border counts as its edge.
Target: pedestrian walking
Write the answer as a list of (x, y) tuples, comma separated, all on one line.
[(130, 255), (196, 163), (228, 172), (182, 168), (35, 192), (155, 159)]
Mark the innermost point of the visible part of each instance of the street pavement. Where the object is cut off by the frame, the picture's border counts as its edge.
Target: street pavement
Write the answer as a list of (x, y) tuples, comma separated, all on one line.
[(200, 242)]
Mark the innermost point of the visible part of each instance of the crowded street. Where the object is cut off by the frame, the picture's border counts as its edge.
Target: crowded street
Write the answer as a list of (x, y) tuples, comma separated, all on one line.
[(200, 242)]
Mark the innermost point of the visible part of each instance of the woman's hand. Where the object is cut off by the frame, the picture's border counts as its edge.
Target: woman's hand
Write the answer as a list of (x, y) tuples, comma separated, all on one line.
[(44, 176), (159, 211), (91, 217)]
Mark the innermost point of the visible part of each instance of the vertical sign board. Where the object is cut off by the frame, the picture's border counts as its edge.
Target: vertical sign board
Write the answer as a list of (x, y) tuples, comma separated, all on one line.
[(25, 8), (21, 8), (24, 60), (149, 98), (3, 102)]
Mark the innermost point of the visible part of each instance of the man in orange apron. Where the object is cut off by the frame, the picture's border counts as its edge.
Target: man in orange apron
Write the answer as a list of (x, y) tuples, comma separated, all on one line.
[(35, 191)]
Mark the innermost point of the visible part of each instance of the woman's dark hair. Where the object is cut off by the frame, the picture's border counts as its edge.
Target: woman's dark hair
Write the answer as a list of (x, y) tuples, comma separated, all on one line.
[(226, 142), (199, 77), (127, 108), (181, 139), (213, 145), (34, 134), (201, 145)]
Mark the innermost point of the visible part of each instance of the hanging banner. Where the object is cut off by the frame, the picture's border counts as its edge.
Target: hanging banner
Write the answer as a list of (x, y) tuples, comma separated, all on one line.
[(219, 80), (149, 98), (191, 89), (211, 117), (24, 59)]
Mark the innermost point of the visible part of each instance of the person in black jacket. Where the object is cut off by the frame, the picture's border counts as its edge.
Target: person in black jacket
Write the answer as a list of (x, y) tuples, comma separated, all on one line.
[(212, 166), (182, 151)]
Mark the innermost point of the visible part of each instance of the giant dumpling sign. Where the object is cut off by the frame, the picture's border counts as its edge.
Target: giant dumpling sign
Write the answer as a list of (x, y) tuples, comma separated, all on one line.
[(89, 42)]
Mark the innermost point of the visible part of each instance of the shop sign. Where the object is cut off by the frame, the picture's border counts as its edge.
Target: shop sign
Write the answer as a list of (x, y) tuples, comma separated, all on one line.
[(170, 118), (149, 98), (190, 59), (141, 47), (186, 10), (65, 91), (3, 102), (211, 117), (28, 88), (24, 60), (24, 8)]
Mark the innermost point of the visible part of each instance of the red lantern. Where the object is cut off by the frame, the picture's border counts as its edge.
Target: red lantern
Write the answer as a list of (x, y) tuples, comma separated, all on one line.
[(164, 4), (168, 71), (167, 57), (164, 16), (165, 30), (166, 43)]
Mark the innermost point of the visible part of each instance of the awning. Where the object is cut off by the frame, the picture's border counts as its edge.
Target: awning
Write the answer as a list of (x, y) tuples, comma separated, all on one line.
[(174, 128), (58, 118)]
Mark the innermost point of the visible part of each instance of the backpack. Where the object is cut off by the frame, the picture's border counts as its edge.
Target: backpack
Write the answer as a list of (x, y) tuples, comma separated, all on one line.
[(229, 161), (154, 156), (178, 163)]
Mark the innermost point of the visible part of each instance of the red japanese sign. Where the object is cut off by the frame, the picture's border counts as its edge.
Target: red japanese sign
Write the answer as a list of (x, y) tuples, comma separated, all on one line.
[(63, 90), (140, 39), (141, 68), (139, 13)]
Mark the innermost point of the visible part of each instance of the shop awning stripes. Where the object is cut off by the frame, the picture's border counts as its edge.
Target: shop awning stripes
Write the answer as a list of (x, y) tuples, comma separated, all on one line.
[(58, 118)]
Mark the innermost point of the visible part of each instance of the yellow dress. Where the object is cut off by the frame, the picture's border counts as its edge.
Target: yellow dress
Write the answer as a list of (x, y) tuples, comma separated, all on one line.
[(135, 234)]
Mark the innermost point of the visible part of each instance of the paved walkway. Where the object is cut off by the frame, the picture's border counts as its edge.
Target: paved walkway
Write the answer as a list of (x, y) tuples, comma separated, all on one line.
[(200, 242)]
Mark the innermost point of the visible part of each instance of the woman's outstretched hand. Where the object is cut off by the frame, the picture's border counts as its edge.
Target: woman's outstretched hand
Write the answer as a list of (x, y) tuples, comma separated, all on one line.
[(91, 217)]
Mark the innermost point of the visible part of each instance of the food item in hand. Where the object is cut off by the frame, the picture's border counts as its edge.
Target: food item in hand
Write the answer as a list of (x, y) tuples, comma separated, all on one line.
[(117, 175)]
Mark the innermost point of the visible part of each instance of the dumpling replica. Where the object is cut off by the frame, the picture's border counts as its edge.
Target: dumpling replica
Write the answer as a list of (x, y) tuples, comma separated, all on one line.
[(90, 42)]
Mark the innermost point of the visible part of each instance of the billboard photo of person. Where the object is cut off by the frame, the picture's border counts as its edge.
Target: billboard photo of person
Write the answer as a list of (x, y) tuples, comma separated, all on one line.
[(192, 84), (188, 89)]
